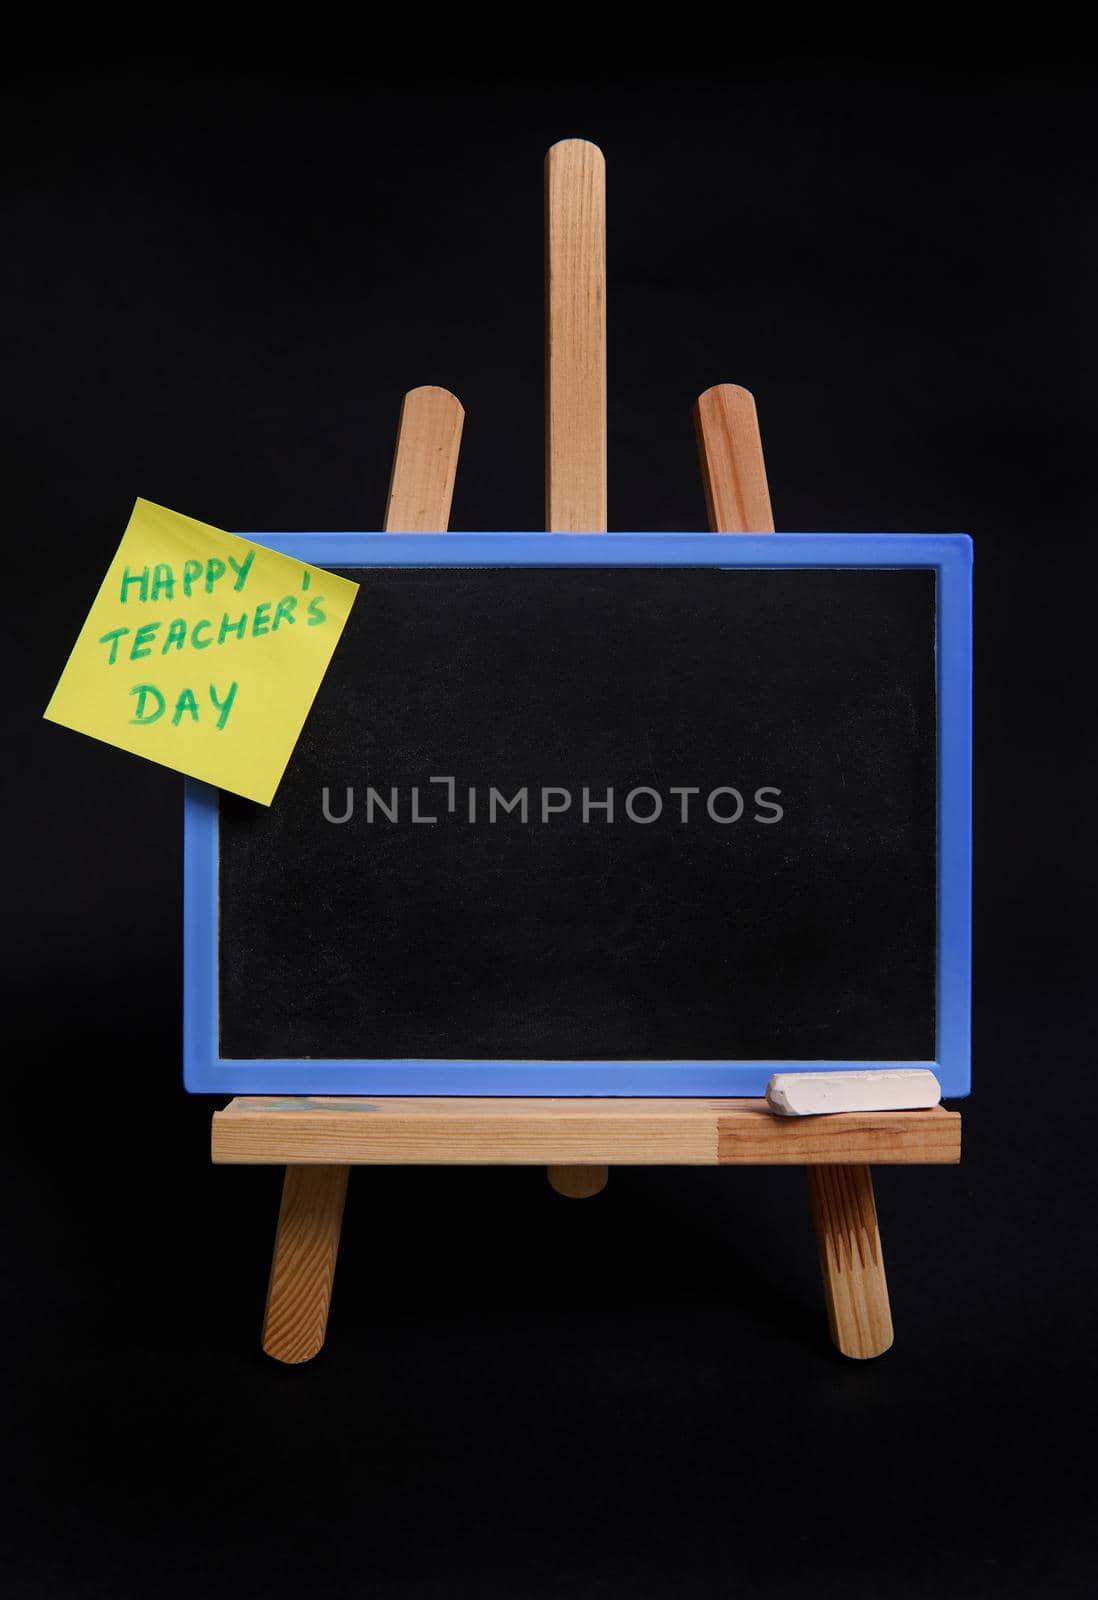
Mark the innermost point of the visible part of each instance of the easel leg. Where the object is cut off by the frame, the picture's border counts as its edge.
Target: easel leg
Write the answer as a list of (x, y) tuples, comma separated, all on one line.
[(575, 392), (306, 1246), (577, 1183), (851, 1263)]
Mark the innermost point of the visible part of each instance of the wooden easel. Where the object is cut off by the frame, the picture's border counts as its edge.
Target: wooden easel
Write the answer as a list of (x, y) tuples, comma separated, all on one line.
[(319, 1139)]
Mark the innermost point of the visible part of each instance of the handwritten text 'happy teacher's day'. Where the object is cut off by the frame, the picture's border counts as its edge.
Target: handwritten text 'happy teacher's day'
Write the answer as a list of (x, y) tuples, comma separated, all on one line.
[(203, 651)]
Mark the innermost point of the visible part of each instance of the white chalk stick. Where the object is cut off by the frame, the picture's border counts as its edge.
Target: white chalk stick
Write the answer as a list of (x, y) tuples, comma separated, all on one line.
[(808, 1094)]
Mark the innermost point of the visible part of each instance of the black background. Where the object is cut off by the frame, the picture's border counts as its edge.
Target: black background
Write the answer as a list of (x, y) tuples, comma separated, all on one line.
[(808, 938), (220, 275)]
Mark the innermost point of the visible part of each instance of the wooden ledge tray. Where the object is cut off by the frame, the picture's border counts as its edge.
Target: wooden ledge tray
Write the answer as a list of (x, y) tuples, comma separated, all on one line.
[(256, 1130)]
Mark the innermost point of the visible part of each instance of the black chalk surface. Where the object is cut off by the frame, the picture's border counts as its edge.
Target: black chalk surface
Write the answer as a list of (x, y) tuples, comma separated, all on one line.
[(809, 937)]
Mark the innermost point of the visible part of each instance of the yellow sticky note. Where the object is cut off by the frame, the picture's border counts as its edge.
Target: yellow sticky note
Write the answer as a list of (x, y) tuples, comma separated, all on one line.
[(203, 651)]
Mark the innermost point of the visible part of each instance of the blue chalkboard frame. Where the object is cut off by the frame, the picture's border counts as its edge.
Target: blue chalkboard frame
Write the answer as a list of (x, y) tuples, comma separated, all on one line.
[(948, 555)]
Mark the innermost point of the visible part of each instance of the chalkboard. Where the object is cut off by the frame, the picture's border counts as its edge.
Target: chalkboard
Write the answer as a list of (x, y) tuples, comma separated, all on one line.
[(613, 814)]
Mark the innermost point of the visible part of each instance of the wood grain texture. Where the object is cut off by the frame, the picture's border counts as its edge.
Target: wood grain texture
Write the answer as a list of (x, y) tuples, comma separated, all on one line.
[(421, 487), (577, 1183), (467, 1130), (575, 338), (737, 496), (303, 1268), (851, 1262)]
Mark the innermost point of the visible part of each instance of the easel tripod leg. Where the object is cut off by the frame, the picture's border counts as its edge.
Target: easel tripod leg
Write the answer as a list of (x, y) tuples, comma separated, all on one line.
[(851, 1262), (577, 1183), (575, 394), (306, 1246)]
